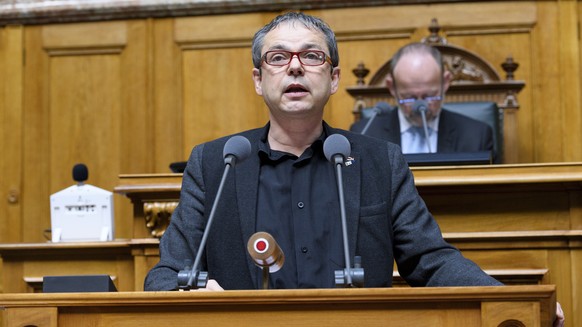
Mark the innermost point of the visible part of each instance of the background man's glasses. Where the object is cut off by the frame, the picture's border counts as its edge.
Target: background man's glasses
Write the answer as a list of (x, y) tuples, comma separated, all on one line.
[(429, 100), (306, 58)]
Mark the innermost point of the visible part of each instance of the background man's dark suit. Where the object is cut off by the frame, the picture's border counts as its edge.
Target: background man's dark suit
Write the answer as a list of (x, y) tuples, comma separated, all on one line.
[(387, 220), (457, 133)]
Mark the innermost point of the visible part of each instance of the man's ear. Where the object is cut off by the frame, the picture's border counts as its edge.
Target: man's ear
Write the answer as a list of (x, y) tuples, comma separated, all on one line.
[(447, 79), (257, 80), (390, 85), (335, 78)]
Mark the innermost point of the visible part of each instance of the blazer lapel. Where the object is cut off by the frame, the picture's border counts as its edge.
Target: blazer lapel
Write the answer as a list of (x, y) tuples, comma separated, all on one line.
[(392, 126)]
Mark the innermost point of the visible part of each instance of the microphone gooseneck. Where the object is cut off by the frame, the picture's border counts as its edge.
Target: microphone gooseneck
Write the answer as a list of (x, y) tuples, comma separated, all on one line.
[(380, 108), (237, 148), (336, 149), (421, 106)]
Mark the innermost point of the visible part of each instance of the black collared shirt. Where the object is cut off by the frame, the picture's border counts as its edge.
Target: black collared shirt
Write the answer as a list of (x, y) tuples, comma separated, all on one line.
[(298, 205)]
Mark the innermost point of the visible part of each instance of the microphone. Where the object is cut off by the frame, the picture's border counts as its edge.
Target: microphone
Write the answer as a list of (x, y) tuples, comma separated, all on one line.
[(379, 109), (266, 254), (336, 149), (422, 106), (237, 148), (80, 173)]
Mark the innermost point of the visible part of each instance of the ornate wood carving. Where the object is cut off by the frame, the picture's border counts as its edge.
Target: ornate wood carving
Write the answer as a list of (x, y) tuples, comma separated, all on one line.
[(474, 78), (157, 216)]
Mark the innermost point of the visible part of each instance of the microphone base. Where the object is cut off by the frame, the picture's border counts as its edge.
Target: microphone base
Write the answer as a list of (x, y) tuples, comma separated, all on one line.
[(357, 275), (200, 279)]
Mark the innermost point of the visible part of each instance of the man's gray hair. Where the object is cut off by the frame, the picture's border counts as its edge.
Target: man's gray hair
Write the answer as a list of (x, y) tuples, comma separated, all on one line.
[(308, 21)]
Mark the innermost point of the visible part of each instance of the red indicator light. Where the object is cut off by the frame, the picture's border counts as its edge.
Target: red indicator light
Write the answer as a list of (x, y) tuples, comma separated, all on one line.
[(261, 245)]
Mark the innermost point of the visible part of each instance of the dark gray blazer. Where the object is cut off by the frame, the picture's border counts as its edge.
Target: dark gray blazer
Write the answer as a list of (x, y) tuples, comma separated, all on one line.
[(387, 221), (457, 133)]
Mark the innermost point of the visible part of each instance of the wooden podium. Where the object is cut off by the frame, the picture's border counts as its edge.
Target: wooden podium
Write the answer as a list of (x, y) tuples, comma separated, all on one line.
[(530, 306), (518, 220)]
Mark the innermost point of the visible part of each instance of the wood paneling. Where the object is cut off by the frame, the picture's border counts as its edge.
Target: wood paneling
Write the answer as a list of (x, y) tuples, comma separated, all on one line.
[(86, 90), (218, 93), (11, 124), (570, 112), (133, 96), (166, 95), (25, 265), (237, 108)]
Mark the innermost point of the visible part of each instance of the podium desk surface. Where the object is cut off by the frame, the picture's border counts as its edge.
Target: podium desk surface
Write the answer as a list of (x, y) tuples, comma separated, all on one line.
[(532, 305)]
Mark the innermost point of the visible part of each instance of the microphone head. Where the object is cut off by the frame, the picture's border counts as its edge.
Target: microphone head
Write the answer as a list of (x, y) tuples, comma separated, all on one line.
[(237, 146), (336, 144), (419, 105), (382, 107), (80, 173), (265, 251)]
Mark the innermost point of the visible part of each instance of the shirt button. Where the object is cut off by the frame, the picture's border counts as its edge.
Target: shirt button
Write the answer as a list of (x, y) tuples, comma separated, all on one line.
[(300, 205), (304, 249)]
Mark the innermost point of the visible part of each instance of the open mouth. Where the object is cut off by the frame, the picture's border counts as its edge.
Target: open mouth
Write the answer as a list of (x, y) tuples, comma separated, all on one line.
[(295, 89)]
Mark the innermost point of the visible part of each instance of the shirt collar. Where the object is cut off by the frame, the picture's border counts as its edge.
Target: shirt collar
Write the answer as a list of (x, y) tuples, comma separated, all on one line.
[(265, 152)]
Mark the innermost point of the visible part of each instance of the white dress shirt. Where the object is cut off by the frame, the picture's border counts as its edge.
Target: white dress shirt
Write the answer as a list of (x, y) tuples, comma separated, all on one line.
[(413, 139)]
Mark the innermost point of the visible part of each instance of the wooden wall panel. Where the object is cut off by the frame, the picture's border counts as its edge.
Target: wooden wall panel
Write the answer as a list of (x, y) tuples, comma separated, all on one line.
[(562, 274), (559, 263), (570, 113), (167, 96), (11, 123), (217, 105), (218, 92), (136, 99), (35, 188), (85, 106), (576, 259), (496, 44), (85, 101), (546, 127), (10, 135), (525, 206)]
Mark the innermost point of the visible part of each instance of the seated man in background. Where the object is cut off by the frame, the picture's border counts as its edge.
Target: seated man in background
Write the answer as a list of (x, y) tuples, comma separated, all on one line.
[(417, 72)]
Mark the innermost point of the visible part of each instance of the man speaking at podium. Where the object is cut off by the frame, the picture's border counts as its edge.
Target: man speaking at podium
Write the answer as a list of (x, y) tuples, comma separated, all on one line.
[(287, 187)]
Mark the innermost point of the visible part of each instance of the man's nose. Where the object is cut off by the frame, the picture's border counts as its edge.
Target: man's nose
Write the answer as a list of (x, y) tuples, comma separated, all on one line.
[(295, 66)]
